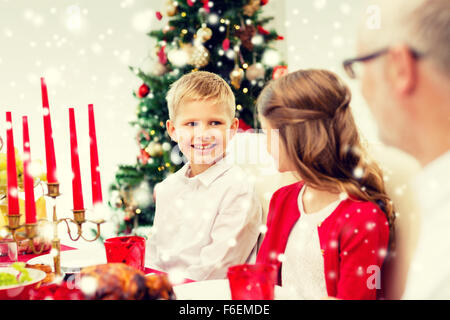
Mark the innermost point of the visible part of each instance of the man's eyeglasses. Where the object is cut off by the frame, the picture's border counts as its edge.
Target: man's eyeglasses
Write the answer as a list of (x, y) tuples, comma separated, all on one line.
[(350, 65)]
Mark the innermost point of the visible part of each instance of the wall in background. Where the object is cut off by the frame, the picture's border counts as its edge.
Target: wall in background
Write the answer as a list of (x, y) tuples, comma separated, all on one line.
[(321, 34)]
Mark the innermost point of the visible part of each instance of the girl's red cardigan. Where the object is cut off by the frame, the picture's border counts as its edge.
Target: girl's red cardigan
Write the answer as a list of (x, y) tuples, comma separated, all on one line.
[(353, 240)]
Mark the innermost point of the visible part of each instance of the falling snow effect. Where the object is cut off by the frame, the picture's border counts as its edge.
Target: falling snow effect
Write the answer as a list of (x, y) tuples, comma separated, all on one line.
[(76, 20)]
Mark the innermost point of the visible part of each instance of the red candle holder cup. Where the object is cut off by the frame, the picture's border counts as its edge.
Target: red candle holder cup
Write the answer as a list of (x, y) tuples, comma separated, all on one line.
[(126, 249), (252, 281)]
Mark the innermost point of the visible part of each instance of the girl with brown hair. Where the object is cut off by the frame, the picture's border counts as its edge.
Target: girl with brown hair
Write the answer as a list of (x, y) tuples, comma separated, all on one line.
[(330, 230)]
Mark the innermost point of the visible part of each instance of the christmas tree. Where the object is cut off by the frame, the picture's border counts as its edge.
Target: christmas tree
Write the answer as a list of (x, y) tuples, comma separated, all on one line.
[(226, 37)]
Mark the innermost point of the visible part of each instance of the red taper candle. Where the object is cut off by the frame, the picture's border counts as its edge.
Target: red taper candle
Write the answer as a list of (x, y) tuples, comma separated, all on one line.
[(13, 192), (49, 146), (95, 169), (30, 204), (76, 180)]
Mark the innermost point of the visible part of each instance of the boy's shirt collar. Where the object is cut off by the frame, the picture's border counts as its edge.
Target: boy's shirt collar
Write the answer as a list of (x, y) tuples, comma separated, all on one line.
[(210, 174)]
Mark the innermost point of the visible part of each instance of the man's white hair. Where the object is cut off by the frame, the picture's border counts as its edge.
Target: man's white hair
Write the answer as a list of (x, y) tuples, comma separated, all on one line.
[(423, 25)]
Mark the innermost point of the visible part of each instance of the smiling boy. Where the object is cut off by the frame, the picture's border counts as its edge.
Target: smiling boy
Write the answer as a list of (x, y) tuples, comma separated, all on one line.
[(207, 214)]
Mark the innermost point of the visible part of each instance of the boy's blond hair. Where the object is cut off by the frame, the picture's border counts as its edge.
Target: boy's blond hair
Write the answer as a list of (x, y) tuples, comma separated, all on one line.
[(200, 85)]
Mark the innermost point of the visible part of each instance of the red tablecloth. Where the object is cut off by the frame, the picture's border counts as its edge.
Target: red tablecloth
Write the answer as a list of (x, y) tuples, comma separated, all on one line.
[(26, 257)]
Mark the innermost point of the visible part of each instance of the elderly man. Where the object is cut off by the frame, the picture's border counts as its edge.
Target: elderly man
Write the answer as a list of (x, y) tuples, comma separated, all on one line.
[(404, 55)]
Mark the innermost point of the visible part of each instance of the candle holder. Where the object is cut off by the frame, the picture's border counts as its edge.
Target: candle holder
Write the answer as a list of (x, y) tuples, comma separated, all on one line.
[(31, 229), (30, 232), (79, 216), (79, 220), (53, 189), (14, 222)]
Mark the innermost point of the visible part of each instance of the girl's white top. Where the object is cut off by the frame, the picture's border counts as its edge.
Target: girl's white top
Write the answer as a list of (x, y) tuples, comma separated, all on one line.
[(302, 271)]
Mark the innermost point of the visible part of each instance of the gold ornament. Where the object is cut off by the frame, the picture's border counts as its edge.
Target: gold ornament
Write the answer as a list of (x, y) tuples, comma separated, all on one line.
[(178, 57), (187, 47), (154, 149), (204, 34), (255, 71), (170, 8), (251, 7), (199, 56), (236, 77)]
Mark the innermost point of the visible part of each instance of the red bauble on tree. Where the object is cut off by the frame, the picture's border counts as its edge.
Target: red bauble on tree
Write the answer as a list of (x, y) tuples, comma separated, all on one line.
[(162, 55), (264, 2), (226, 44), (243, 125), (143, 91), (143, 157), (279, 71), (206, 5), (263, 31)]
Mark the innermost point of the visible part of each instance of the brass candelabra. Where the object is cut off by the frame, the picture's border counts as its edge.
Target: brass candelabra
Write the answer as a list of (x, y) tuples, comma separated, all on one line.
[(31, 231)]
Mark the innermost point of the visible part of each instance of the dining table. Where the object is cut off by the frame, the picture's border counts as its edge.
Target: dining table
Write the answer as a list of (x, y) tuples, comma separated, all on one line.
[(26, 257), (184, 288), (78, 257)]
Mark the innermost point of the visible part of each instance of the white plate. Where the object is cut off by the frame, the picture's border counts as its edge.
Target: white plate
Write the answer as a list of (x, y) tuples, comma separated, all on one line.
[(35, 275), (214, 290), (20, 291), (74, 260)]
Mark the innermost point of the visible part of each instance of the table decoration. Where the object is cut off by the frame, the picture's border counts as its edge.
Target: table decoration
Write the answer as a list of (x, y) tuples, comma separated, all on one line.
[(38, 177), (32, 224), (78, 203), (95, 169), (30, 204), (48, 134), (126, 249), (13, 200)]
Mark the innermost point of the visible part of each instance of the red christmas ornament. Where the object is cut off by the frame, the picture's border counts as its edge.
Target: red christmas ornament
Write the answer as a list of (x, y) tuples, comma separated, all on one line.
[(190, 3), (243, 125), (143, 157), (263, 31), (264, 2), (158, 15), (279, 71), (143, 91), (205, 5), (162, 56), (226, 44), (280, 38)]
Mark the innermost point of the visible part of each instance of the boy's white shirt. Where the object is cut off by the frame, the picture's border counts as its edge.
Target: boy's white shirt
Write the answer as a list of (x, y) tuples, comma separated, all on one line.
[(204, 224)]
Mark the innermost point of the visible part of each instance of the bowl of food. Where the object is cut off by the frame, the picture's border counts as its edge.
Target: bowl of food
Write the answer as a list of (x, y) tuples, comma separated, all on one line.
[(16, 281)]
